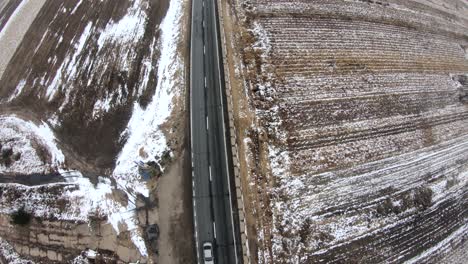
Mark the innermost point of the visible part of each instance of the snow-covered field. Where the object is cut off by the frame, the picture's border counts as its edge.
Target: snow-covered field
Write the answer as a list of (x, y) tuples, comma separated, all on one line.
[(126, 65), (367, 129)]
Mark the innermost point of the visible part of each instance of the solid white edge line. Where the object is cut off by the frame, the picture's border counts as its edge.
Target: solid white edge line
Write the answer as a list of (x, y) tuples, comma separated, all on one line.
[(224, 134), (191, 128)]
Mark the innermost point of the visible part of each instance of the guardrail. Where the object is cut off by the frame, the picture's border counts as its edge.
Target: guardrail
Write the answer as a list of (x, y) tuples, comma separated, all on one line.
[(233, 140)]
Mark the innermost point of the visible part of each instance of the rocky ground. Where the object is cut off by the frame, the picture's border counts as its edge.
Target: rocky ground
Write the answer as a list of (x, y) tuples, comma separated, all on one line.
[(88, 89), (352, 124)]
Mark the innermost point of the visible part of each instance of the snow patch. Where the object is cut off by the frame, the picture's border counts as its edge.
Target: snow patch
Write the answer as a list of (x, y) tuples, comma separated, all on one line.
[(76, 7), (68, 67), (143, 130), (18, 90), (128, 29), (19, 135), (98, 200)]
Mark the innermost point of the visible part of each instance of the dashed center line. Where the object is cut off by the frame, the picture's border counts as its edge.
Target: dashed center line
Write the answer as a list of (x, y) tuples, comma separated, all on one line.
[(214, 229), (209, 169)]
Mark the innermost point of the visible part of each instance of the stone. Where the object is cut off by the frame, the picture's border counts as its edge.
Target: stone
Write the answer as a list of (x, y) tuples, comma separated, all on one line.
[(42, 253), (70, 242), (237, 180), (242, 228), (52, 255), (243, 238), (55, 242), (240, 204), (82, 229), (107, 230), (124, 253), (241, 216), (59, 257), (43, 239), (35, 252), (55, 237), (24, 250), (108, 243), (84, 240)]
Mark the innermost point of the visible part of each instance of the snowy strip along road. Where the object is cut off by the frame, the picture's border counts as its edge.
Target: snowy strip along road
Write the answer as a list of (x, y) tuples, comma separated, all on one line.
[(214, 210)]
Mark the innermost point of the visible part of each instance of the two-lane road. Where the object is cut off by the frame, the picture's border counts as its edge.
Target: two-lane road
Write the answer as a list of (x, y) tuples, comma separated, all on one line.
[(215, 216)]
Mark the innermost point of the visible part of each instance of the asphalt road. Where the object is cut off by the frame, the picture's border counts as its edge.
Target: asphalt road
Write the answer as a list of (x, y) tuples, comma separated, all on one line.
[(215, 217)]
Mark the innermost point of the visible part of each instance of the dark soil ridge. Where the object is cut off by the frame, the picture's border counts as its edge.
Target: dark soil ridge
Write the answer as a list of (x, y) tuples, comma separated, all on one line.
[(32, 179)]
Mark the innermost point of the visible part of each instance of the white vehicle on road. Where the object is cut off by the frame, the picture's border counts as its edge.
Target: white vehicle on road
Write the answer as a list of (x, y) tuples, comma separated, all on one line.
[(208, 253)]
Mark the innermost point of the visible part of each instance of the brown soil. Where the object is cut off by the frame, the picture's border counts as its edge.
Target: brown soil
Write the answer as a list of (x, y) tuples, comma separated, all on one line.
[(175, 213)]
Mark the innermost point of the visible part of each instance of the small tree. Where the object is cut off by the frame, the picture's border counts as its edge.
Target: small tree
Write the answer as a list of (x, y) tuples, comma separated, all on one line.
[(21, 217)]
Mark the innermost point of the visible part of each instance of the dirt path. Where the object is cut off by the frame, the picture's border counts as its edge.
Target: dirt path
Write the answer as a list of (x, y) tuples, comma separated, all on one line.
[(175, 214), (3, 4), (14, 31)]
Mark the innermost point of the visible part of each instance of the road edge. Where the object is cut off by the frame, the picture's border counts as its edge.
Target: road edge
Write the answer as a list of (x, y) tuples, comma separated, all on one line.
[(233, 139)]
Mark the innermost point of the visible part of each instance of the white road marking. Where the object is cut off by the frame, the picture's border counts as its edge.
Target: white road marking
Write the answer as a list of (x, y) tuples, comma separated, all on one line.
[(207, 125), (209, 168), (203, 49), (205, 81), (214, 229)]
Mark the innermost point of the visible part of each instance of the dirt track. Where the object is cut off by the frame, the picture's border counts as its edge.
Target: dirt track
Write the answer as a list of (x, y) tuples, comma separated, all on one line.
[(15, 29), (175, 215)]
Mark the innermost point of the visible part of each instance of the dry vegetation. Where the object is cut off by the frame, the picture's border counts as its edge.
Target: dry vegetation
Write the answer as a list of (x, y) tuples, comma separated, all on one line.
[(358, 153)]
